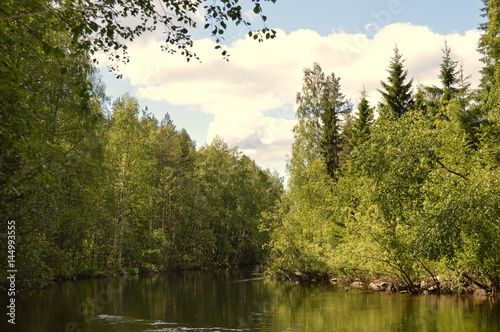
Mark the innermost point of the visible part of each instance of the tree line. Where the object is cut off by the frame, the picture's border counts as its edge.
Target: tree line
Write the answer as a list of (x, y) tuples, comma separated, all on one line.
[(93, 187), (120, 191), (408, 189)]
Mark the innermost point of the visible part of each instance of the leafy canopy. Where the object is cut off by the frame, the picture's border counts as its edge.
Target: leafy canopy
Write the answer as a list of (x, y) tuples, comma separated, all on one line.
[(108, 25)]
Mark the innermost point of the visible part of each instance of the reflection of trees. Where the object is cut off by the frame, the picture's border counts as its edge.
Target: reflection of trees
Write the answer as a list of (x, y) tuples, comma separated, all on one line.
[(230, 299)]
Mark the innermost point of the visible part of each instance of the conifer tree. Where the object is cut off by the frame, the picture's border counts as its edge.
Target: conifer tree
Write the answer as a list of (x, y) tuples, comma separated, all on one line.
[(397, 95), (438, 98), (490, 82), (334, 104), (489, 46), (318, 132), (448, 74), (363, 121)]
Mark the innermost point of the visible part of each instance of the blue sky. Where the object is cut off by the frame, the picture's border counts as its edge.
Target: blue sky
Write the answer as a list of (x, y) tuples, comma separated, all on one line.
[(249, 101), (443, 16)]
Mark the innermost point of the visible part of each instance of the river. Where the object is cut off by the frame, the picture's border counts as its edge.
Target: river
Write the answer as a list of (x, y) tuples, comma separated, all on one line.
[(234, 300)]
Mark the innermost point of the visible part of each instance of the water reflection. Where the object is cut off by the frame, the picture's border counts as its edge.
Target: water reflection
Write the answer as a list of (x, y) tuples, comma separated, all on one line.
[(233, 300)]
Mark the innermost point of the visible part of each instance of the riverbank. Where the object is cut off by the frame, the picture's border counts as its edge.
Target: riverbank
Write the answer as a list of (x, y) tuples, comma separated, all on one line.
[(234, 300), (439, 285)]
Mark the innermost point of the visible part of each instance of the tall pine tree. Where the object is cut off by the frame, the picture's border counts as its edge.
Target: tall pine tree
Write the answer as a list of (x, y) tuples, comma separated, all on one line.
[(489, 46), (320, 106), (396, 93), (449, 75), (437, 99), (363, 121)]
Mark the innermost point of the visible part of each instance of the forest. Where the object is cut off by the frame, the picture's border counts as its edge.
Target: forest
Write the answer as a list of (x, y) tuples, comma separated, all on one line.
[(408, 189), (93, 187)]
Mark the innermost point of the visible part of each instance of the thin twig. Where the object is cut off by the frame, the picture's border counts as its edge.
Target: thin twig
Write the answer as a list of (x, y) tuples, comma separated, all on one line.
[(15, 17)]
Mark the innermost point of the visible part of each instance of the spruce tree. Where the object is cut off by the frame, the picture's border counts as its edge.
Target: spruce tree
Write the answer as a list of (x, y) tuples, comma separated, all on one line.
[(440, 97), (318, 133), (432, 100), (397, 95), (448, 75), (363, 121), (489, 46), (333, 104)]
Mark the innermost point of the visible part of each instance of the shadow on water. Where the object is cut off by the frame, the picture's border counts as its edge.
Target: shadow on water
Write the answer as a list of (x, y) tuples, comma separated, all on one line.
[(234, 300)]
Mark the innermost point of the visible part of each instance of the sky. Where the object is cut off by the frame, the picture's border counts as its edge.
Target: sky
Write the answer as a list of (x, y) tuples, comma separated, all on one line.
[(249, 101)]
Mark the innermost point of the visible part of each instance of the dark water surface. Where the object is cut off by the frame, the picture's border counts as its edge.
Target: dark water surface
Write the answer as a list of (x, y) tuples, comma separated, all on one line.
[(233, 300)]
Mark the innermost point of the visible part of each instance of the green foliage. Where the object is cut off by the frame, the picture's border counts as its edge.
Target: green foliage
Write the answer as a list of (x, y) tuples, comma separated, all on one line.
[(305, 227), (490, 80), (318, 133), (235, 192), (304, 230), (108, 26), (167, 205), (105, 193), (419, 195), (50, 146), (363, 122), (396, 93), (448, 74), (126, 194)]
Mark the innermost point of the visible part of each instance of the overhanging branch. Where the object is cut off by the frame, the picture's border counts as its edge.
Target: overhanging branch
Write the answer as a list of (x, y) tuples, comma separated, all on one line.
[(448, 169)]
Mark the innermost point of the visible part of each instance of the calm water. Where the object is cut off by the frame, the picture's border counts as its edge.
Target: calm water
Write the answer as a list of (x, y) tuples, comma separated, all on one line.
[(232, 300)]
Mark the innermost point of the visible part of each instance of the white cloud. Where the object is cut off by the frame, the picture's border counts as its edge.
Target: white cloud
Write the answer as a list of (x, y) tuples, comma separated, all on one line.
[(250, 15), (261, 77)]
